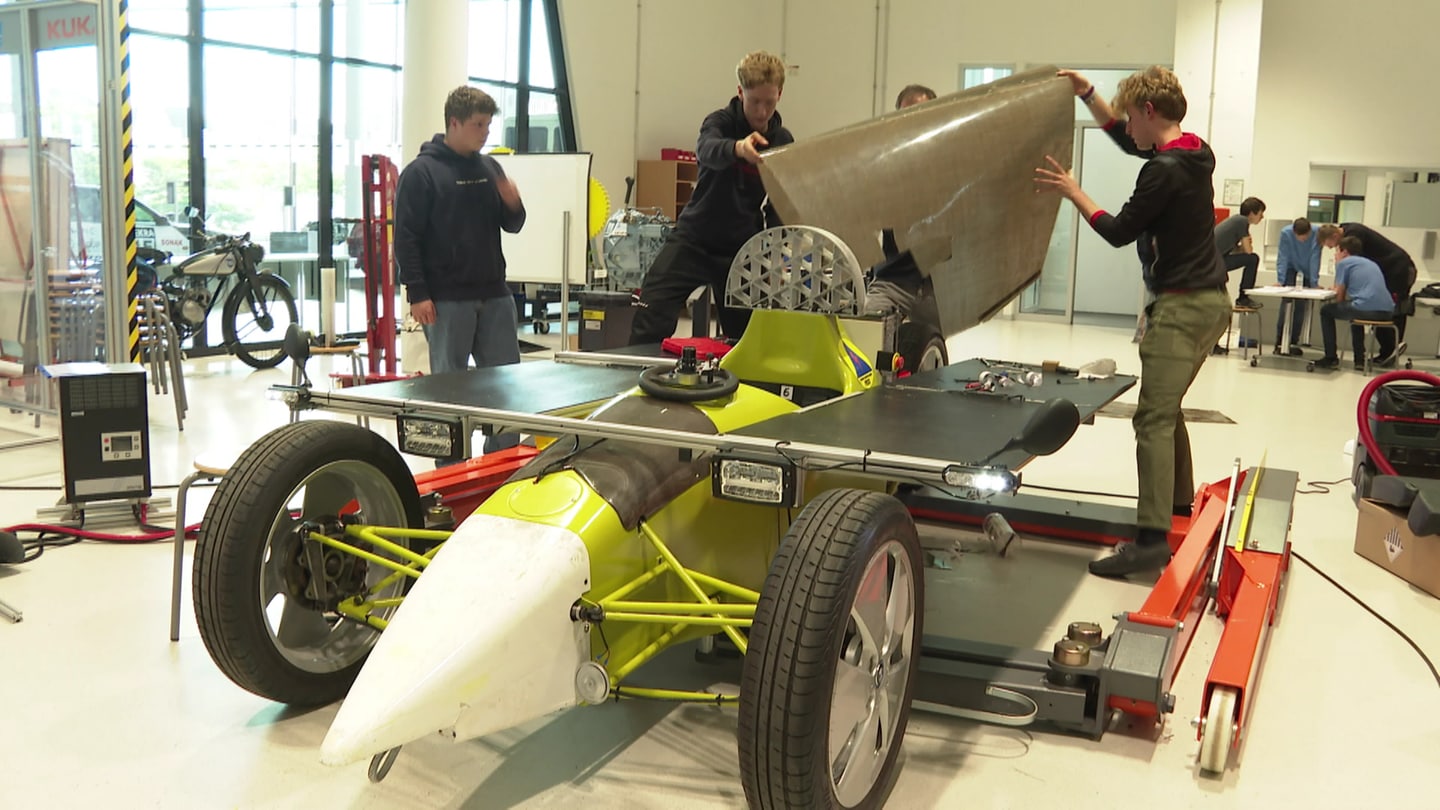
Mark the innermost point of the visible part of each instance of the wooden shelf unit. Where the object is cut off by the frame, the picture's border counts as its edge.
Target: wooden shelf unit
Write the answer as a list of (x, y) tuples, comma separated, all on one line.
[(665, 184)]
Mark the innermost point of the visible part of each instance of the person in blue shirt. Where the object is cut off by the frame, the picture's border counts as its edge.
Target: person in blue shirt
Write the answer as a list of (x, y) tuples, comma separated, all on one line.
[(1298, 260), (1360, 293), (1399, 270)]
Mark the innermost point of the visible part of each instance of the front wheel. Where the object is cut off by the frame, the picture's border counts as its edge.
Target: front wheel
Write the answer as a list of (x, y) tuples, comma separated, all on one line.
[(266, 594), (255, 319), (834, 645)]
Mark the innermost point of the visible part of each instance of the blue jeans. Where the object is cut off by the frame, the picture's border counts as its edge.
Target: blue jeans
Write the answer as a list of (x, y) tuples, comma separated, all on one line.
[(485, 330), (1346, 311)]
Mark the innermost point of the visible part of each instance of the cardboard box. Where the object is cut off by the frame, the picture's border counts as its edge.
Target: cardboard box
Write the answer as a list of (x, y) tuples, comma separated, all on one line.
[(1383, 537)]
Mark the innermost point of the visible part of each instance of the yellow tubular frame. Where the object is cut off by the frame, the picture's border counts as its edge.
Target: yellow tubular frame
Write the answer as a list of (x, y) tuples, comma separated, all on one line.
[(362, 609), (705, 611), (681, 616)]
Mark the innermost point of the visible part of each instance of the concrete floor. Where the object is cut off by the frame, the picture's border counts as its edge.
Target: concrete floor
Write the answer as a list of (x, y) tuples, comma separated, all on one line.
[(100, 709)]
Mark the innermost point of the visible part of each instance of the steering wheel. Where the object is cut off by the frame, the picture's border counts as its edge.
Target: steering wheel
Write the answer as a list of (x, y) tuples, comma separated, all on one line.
[(686, 382)]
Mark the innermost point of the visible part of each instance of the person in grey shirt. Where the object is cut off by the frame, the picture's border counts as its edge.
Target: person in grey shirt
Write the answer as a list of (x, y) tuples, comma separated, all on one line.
[(1232, 239)]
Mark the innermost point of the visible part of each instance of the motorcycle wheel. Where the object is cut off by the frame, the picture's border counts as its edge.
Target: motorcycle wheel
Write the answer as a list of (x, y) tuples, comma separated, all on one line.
[(259, 343), (253, 574), (833, 654)]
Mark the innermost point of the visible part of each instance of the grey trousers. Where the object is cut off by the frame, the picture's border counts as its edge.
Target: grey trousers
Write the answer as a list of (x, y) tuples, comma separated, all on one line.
[(484, 330)]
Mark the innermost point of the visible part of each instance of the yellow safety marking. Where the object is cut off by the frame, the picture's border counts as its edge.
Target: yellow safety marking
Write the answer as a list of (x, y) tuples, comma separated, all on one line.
[(1244, 533), (127, 163)]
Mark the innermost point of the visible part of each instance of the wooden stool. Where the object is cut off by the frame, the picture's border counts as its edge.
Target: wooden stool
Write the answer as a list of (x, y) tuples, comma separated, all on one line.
[(357, 372), (208, 466), (1370, 327), (1244, 313), (357, 367)]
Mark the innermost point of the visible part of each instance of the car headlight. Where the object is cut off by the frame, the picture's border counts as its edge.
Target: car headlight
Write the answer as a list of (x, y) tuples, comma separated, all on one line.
[(982, 480), (431, 436), (754, 480)]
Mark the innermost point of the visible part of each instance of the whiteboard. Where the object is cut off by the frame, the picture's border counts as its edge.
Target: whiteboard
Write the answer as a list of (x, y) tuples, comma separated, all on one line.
[(550, 184)]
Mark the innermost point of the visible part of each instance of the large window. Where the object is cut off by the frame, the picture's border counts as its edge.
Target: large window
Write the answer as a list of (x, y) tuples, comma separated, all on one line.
[(230, 98), (159, 99), (976, 75)]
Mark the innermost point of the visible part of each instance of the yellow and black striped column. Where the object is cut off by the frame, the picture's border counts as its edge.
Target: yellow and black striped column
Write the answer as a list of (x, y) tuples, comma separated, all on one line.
[(127, 168)]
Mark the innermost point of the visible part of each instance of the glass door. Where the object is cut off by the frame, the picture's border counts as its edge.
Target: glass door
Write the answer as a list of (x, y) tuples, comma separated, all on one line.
[(1056, 295), (1050, 297)]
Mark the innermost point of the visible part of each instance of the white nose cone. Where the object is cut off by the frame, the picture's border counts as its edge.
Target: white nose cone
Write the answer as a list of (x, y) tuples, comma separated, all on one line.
[(483, 642)]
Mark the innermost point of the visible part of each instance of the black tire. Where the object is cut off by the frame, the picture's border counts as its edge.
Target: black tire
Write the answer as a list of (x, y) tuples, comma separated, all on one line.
[(803, 636), (257, 344), (249, 529), (922, 348)]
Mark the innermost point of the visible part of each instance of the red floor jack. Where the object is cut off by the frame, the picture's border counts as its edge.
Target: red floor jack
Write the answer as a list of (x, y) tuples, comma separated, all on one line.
[(1239, 557), (379, 178)]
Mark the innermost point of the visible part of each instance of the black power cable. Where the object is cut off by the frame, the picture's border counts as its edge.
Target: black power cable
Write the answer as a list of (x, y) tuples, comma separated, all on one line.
[(1357, 600)]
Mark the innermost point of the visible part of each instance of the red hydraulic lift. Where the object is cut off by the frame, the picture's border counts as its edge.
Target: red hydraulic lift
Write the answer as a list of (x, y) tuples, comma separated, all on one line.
[(379, 178), (1253, 553)]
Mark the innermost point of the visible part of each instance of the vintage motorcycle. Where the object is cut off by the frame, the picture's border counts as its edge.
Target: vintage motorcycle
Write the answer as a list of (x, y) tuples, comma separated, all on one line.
[(257, 310)]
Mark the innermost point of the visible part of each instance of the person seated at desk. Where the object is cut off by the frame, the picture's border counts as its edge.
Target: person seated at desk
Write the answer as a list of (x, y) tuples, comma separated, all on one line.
[(1298, 259), (1360, 293)]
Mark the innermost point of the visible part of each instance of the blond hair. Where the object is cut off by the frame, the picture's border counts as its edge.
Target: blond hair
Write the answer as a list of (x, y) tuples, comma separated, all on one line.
[(760, 67), (1157, 85), (1328, 232)]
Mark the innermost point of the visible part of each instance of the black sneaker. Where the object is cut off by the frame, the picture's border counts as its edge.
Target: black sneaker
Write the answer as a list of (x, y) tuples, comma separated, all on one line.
[(1219, 350), (1388, 361), (1132, 558), (1248, 302), (1294, 351), (1329, 362)]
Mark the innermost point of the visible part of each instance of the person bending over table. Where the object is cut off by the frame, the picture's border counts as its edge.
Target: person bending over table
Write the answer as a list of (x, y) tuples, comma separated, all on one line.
[(1360, 294), (1298, 260), (1399, 271)]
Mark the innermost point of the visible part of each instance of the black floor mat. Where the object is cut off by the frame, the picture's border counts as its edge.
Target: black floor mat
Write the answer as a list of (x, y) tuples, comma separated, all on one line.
[(1125, 410)]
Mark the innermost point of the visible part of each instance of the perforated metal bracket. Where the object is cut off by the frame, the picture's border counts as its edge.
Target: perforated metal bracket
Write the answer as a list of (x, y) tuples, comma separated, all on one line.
[(799, 269)]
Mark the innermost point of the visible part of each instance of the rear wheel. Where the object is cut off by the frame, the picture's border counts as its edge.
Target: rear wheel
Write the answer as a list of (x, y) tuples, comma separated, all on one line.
[(255, 329), (828, 678), (922, 348), (265, 594)]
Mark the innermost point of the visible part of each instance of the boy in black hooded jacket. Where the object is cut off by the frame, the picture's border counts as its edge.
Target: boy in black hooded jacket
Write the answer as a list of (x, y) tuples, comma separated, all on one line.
[(1173, 202), (450, 206), (726, 208)]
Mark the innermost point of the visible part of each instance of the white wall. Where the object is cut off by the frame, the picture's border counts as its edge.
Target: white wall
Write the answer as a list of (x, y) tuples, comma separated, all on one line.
[(1217, 55), (1342, 86), (644, 73), (600, 53), (928, 39)]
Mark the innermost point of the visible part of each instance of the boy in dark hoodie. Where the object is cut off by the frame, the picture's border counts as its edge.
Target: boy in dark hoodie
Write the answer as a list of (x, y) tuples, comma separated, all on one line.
[(450, 206), (1173, 202), (726, 208)]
